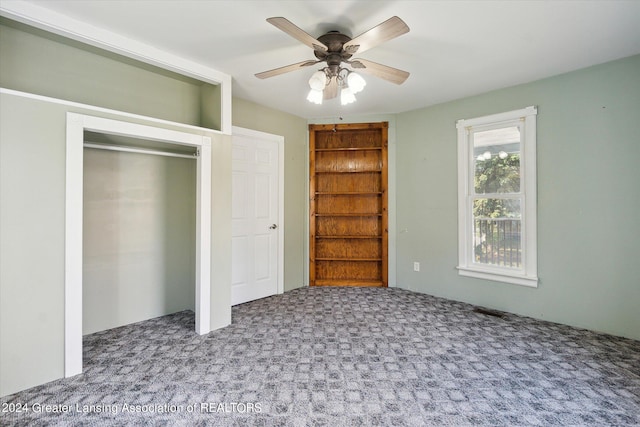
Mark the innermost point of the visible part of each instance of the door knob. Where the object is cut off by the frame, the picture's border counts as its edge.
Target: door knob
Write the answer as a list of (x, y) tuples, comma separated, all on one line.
[(273, 227)]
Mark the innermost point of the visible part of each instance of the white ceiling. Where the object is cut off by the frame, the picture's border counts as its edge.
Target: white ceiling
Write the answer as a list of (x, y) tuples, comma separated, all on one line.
[(454, 48)]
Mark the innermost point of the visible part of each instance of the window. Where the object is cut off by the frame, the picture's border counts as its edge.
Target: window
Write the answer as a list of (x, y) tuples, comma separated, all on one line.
[(497, 197)]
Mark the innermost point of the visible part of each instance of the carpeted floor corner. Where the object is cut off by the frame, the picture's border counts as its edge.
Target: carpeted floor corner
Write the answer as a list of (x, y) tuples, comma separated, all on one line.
[(344, 357)]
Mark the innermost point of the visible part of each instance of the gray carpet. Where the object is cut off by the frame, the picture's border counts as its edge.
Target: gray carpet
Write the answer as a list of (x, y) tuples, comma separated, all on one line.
[(346, 357)]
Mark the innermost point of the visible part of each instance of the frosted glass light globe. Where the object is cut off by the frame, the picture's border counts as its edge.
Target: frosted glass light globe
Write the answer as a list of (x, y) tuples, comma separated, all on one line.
[(318, 80), (346, 96), (356, 82), (315, 96)]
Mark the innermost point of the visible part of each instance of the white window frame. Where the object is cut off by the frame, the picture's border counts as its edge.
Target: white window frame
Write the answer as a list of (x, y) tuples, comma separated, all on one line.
[(527, 275)]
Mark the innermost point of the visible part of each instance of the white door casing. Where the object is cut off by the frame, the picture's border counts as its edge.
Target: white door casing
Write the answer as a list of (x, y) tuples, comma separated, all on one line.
[(257, 215), (76, 125)]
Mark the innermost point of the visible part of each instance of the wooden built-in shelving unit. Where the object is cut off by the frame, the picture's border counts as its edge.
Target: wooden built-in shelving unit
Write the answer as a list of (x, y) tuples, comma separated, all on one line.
[(348, 204)]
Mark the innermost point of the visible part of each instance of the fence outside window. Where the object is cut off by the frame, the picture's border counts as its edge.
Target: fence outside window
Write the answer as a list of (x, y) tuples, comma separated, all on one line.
[(497, 241)]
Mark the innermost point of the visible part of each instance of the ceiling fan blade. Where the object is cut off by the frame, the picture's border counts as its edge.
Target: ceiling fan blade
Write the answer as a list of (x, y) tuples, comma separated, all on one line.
[(331, 90), (389, 29), (391, 74), (285, 69), (290, 28)]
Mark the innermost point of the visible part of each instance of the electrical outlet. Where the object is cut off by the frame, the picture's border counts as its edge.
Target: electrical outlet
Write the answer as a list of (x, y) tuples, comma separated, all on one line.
[(416, 266)]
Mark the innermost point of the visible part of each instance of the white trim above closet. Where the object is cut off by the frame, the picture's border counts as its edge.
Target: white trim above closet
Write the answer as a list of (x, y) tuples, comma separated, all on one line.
[(48, 20)]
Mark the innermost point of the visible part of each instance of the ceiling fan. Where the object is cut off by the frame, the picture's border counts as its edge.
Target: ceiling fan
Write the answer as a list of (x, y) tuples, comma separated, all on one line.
[(336, 49)]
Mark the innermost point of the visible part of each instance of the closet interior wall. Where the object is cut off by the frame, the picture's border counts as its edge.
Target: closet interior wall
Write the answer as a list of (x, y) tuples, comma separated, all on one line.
[(138, 237)]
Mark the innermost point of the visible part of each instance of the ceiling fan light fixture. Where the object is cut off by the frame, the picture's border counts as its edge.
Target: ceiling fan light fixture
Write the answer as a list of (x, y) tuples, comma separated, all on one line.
[(318, 80), (356, 82), (315, 96), (347, 96), (335, 48)]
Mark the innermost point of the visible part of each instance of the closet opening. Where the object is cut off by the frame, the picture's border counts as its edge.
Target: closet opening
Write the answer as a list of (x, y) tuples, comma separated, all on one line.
[(138, 221), (138, 238)]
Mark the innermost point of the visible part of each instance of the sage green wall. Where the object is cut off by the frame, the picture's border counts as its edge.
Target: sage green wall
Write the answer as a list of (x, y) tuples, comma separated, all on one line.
[(139, 221), (588, 199), (32, 216), (294, 129), (38, 62), (32, 197), (211, 106), (32, 186)]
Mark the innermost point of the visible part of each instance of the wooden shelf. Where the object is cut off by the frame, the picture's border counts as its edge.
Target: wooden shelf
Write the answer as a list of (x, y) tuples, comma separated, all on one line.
[(349, 282), (348, 237), (348, 214), (350, 259), (351, 171), (348, 149), (349, 193)]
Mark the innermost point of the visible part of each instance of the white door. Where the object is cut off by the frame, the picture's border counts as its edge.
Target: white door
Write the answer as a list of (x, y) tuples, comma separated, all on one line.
[(256, 213)]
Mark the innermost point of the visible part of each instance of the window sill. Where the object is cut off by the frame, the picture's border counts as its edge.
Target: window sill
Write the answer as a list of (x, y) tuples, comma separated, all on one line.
[(515, 279)]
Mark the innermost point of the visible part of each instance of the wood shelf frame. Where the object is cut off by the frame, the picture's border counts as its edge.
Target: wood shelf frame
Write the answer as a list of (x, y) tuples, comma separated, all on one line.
[(348, 173)]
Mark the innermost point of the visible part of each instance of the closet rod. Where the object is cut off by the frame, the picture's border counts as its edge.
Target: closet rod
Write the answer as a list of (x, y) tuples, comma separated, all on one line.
[(139, 150)]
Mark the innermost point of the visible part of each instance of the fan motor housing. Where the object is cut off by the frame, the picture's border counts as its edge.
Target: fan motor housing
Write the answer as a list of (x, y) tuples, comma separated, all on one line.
[(334, 41)]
